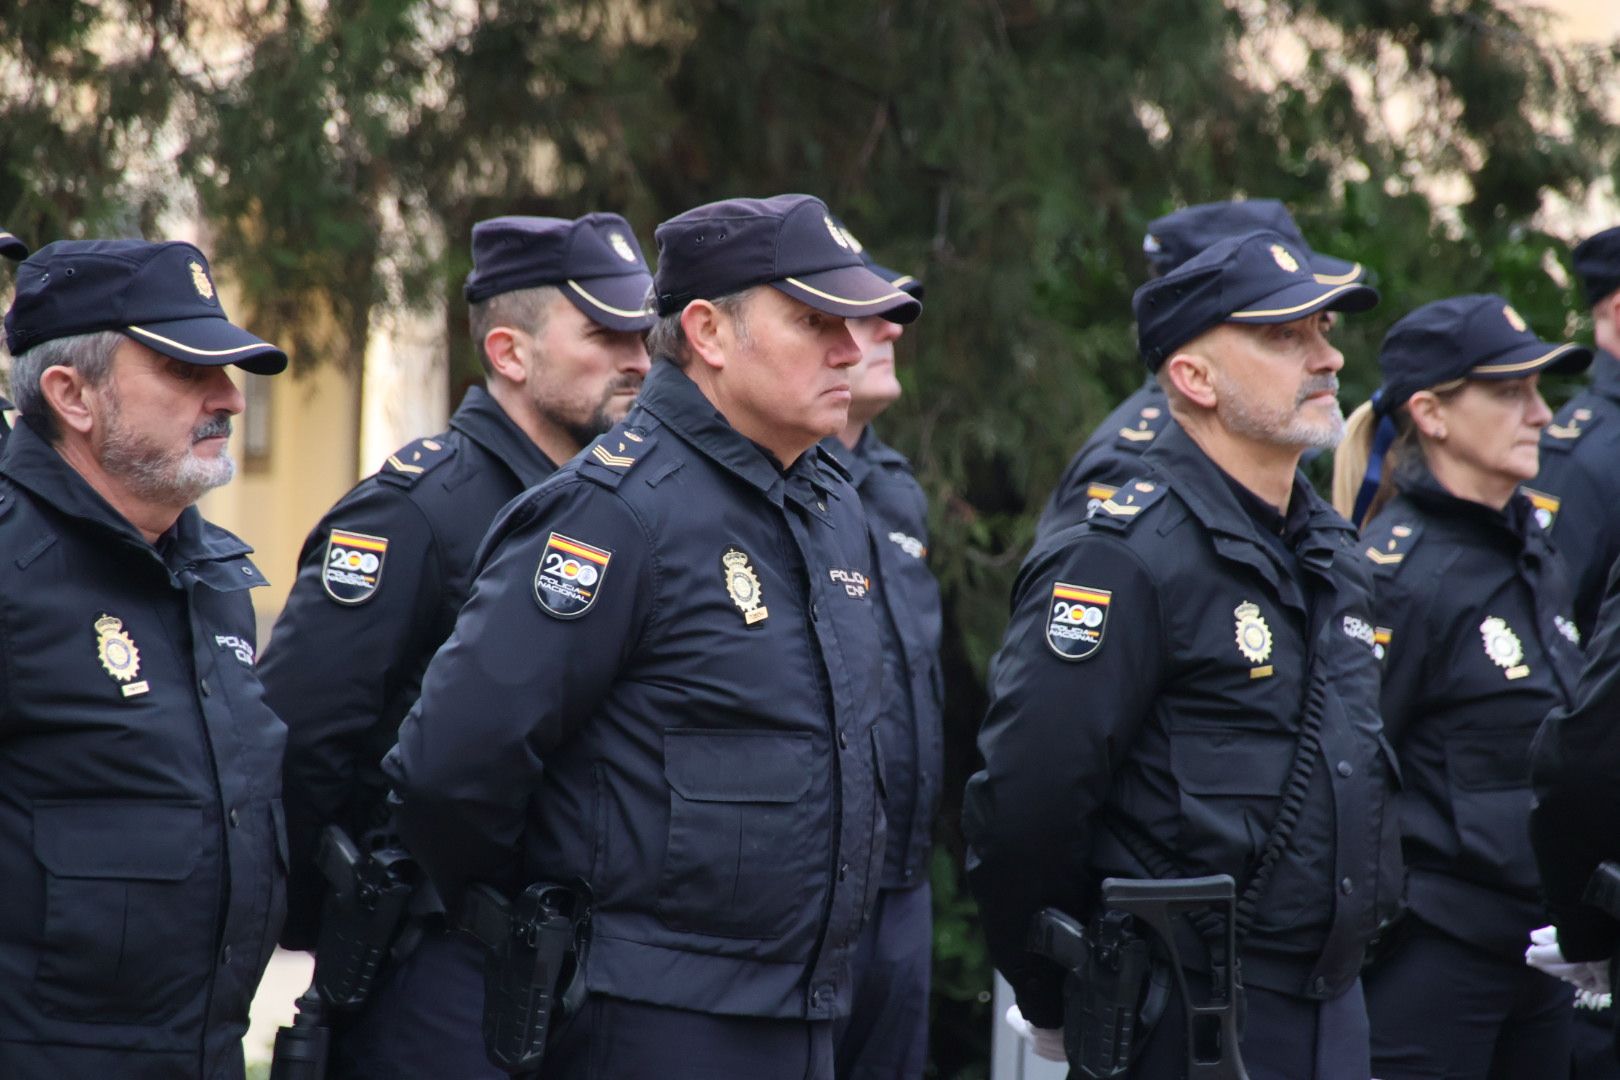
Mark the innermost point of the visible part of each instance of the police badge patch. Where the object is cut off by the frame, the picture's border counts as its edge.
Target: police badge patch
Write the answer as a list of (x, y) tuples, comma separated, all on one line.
[(569, 577), (118, 655), (742, 585), (354, 566), (1075, 624)]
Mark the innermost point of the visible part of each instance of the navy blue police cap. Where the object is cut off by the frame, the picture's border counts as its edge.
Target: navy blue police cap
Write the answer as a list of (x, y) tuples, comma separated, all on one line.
[(1177, 236), (1477, 336), (159, 294), (1256, 279), (1597, 264), (594, 260), (789, 242), (906, 283), (11, 247)]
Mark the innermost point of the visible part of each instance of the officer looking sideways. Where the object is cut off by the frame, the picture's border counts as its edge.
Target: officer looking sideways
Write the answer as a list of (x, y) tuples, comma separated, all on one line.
[(557, 308), (1578, 490), (141, 837), (1111, 455), (1469, 672), (666, 680), (885, 1034), (1177, 662)]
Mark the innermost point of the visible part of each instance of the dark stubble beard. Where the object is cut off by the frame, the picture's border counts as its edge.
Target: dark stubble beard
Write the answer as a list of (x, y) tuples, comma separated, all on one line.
[(167, 476), (583, 430)]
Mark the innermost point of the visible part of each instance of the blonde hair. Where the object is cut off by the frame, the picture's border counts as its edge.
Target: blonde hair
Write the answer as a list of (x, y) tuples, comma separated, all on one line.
[(1354, 455)]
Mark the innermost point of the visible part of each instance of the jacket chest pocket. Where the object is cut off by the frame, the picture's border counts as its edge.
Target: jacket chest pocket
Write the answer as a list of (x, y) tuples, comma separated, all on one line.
[(741, 857), (1488, 779), (128, 934)]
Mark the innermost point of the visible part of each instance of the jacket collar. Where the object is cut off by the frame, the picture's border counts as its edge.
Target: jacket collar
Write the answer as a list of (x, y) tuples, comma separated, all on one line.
[(482, 420), (1606, 375), (868, 453), (33, 463), (1511, 526), (679, 405), (1205, 489)]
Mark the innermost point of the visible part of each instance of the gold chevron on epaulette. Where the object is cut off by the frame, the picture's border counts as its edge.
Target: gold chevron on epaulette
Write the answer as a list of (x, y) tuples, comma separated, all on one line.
[(414, 454), (607, 457), (1390, 553), (1571, 430), (1128, 507)]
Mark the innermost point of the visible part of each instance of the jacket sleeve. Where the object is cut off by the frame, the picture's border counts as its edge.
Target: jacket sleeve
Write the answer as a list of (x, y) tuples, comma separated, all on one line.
[(514, 681), (1055, 733), (1402, 613), (1574, 762), (331, 668)]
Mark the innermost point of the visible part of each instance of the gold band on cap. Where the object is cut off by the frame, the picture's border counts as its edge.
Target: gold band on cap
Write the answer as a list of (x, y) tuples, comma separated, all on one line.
[(639, 313), (201, 352), (1523, 365), (1290, 310), (797, 284)]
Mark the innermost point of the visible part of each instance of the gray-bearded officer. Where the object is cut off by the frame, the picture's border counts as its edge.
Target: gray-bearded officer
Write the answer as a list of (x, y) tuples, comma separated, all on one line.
[(1113, 452), (1174, 665), (557, 309), (666, 680), (141, 839), (885, 1034)]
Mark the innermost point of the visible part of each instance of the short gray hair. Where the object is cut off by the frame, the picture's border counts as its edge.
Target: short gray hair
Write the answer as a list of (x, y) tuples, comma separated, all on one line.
[(667, 338), (521, 309), (91, 355)]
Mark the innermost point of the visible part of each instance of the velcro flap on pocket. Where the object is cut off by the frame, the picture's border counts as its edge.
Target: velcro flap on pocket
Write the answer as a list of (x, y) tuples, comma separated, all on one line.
[(1228, 762), (1490, 760), (134, 841), (738, 766)]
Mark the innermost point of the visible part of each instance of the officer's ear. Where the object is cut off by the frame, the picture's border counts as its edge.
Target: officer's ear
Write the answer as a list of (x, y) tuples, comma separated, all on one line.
[(708, 332), (503, 348), (1191, 375), (1427, 411), (66, 391)]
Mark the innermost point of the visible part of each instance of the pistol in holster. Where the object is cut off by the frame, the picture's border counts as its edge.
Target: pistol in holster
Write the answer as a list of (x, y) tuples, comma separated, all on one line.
[(1115, 992), (367, 897), (535, 950)]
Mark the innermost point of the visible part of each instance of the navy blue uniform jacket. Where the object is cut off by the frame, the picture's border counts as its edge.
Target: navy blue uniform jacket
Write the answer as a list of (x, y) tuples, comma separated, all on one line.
[(1577, 494), (910, 619), (142, 847), (1473, 617), (1111, 456), (1152, 680), (666, 682), (344, 665)]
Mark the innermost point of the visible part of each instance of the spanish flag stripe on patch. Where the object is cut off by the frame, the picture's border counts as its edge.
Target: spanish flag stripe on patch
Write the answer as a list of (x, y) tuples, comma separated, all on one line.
[(354, 540), (1069, 592), (595, 556)]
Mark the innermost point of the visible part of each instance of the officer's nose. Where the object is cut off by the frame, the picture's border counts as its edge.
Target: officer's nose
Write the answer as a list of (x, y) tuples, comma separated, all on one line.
[(884, 330), (1326, 358), (223, 394), (844, 352), (633, 356), (1538, 415)]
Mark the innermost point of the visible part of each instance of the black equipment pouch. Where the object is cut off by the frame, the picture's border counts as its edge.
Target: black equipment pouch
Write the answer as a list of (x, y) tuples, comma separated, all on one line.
[(364, 909), (1111, 972), (535, 954)]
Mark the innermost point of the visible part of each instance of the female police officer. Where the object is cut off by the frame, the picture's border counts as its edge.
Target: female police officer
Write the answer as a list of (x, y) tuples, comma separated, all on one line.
[(1474, 623)]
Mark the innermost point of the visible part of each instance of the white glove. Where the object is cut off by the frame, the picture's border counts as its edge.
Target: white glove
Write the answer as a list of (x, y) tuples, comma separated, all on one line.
[(1046, 1042), (1545, 955)]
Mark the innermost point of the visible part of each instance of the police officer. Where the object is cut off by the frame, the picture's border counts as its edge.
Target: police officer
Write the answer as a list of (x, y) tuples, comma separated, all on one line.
[(1195, 650), (666, 680), (886, 1033), (141, 837), (557, 310), (1110, 456), (1577, 493), (1469, 672)]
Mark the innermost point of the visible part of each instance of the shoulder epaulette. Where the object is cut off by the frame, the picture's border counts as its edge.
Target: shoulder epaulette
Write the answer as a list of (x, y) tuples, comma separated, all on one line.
[(1149, 422), (414, 460), (1120, 509), (610, 458), (1568, 426), (1387, 546)]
